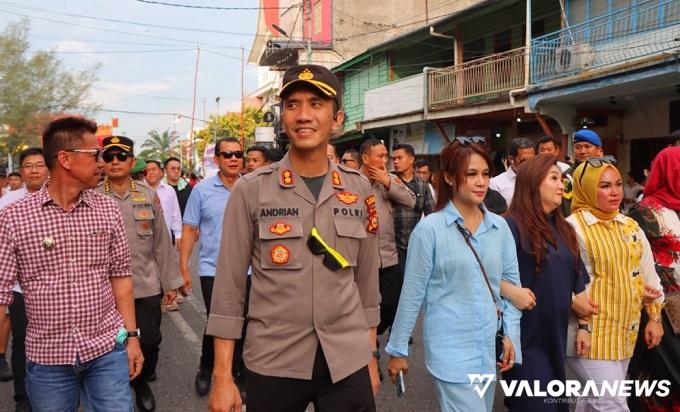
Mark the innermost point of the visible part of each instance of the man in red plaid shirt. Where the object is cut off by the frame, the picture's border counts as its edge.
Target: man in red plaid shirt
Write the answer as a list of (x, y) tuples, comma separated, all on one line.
[(66, 246)]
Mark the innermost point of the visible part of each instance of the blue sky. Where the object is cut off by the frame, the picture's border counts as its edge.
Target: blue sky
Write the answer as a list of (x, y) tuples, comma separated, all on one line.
[(147, 69)]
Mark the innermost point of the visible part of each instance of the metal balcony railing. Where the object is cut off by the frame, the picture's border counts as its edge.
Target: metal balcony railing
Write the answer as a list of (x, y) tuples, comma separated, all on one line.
[(475, 81), (627, 36)]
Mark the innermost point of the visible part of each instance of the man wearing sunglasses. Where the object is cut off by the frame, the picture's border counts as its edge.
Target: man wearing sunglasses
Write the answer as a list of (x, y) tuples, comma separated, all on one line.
[(307, 226), (154, 262), (204, 214), (66, 246)]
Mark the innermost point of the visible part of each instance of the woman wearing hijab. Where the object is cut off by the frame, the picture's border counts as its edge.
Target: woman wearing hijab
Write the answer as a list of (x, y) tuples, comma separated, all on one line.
[(551, 267), (657, 215), (460, 306), (619, 262)]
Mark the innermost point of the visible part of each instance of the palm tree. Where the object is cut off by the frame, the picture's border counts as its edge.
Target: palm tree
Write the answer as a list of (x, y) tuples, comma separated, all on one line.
[(159, 146)]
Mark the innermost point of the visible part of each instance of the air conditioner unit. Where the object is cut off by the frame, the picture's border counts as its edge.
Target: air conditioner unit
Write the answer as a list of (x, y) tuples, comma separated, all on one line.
[(573, 57)]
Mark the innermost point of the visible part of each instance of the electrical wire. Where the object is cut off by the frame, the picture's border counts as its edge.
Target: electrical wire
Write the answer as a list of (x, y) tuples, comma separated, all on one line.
[(133, 23), (190, 6), (72, 24)]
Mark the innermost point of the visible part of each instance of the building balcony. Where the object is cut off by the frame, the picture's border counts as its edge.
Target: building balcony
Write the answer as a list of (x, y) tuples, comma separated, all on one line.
[(477, 81), (644, 34)]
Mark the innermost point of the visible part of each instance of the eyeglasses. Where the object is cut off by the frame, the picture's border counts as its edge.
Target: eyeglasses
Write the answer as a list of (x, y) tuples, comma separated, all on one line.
[(597, 162), (468, 140), (228, 154), (332, 259), (36, 166), (108, 156), (343, 161), (93, 152)]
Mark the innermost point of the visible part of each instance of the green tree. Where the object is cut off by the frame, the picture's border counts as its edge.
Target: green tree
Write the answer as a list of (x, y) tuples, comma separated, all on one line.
[(229, 125), (35, 87), (159, 146)]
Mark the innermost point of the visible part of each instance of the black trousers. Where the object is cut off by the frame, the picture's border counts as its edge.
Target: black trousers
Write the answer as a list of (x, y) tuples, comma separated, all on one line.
[(17, 313), (390, 281), (148, 314), (208, 347), (274, 394)]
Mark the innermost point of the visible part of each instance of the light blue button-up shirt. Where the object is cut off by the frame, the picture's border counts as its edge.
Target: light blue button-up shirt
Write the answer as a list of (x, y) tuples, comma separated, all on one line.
[(205, 210), (443, 275)]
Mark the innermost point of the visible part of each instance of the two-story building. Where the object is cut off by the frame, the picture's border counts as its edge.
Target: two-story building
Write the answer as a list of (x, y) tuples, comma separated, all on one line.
[(614, 67), (450, 78)]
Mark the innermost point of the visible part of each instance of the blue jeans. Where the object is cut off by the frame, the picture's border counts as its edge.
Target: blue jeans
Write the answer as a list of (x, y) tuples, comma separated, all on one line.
[(102, 383)]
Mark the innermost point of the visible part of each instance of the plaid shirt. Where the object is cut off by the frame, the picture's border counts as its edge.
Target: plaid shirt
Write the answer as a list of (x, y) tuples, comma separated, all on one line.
[(63, 261), (405, 218)]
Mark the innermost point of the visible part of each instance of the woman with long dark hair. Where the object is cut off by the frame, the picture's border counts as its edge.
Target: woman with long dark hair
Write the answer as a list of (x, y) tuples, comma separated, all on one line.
[(460, 294), (550, 266)]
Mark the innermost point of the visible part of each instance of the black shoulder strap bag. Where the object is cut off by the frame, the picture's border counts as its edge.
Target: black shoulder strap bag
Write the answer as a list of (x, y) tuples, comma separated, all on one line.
[(499, 313)]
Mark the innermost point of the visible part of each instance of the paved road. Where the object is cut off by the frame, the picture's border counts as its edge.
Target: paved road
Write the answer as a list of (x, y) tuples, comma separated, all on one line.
[(180, 350)]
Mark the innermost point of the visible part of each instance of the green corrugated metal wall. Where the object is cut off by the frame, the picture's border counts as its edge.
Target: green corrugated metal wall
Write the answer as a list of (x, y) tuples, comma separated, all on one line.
[(371, 73)]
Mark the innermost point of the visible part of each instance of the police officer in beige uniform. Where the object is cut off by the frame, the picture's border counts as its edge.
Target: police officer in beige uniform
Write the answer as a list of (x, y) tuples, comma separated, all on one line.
[(154, 261), (389, 192), (308, 228)]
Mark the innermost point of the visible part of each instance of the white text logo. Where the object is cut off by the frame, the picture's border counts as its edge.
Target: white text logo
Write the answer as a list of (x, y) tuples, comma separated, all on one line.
[(483, 379)]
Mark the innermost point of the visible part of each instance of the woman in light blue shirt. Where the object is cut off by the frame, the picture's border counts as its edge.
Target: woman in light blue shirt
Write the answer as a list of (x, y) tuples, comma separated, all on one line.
[(443, 275)]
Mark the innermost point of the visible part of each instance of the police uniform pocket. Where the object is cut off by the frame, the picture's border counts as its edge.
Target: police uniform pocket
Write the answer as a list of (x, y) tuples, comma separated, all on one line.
[(350, 232), (143, 221), (281, 243)]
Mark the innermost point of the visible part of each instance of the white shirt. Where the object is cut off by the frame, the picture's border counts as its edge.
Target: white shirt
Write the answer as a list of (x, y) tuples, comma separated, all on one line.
[(12, 196), (8, 199), (170, 206), (504, 184), (563, 166)]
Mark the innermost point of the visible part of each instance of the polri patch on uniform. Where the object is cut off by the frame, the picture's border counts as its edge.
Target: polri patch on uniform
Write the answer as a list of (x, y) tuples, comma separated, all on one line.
[(347, 197), (372, 225), (335, 178), (280, 255), (280, 228), (287, 178)]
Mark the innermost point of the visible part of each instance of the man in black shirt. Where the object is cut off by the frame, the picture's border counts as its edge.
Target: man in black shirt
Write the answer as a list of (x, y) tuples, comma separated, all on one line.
[(173, 177)]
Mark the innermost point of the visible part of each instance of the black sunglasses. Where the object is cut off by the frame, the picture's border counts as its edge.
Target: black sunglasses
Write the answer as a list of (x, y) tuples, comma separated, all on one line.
[(228, 154), (331, 258), (468, 140), (121, 156), (597, 162)]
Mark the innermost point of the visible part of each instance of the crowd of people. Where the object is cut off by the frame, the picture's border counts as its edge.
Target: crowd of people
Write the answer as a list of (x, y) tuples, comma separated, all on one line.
[(307, 259)]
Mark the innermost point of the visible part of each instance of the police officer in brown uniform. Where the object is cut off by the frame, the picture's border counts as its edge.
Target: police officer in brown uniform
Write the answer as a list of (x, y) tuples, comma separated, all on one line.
[(308, 228), (154, 261), (390, 193)]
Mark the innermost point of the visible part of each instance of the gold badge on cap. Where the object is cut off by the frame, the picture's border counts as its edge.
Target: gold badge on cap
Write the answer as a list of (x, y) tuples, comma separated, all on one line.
[(49, 243), (115, 139), (306, 75)]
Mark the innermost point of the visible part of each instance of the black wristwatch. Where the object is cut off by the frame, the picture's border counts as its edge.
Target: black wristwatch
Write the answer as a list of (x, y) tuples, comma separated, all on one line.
[(585, 326), (376, 354), (134, 333)]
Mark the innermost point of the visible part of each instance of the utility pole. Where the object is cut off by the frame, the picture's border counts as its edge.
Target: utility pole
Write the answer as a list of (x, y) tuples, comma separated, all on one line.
[(308, 17), (193, 115), (243, 137)]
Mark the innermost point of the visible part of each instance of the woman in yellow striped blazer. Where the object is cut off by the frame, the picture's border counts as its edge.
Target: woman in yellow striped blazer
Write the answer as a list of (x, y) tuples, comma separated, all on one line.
[(619, 260)]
